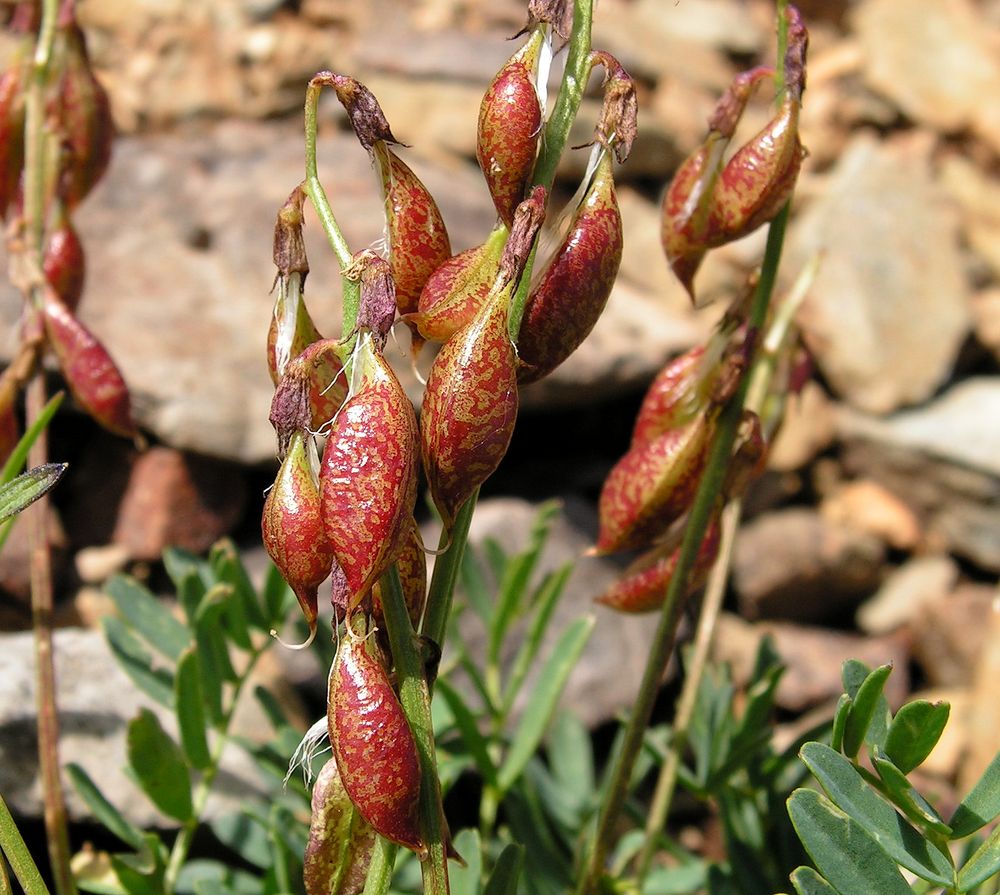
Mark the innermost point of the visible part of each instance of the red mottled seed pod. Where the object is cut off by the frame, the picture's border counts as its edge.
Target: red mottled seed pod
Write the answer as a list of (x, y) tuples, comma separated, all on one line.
[(418, 239), (470, 406), (670, 399), (510, 121), (373, 745), (340, 843), (88, 368), (64, 264), (653, 485), (458, 289), (12, 84), (643, 587), (310, 393), (568, 300), (368, 478), (291, 331), (412, 566), (292, 527)]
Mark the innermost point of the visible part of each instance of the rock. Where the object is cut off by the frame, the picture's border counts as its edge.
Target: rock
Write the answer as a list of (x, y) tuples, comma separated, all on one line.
[(950, 634), (986, 319), (868, 506), (983, 718), (96, 701), (978, 195), (886, 315), (807, 430), (942, 460), (903, 595), (15, 558), (95, 565), (813, 658), (177, 500), (794, 564), (440, 56), (938, 66)]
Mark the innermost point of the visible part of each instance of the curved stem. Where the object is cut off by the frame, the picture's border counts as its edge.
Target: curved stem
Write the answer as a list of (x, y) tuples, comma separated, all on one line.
[(445, 575)]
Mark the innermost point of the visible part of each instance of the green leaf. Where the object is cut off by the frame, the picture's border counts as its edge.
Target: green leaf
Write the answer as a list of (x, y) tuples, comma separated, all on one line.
[(981, 805), (158, 766), (982, 865), (468, 727), (228, 566), (23, 491), (680, 880), (107, 815), (149, 617), (843, 783), (808, 882), (19, 456), (840, 721), (474, 585), (543, 700), (467, 880), (571, 759), (914, 733), (843, 852), (906, 798), (245, 835), (137, 663), (277, 598), (868, 717), (191, 710), (506, 871)]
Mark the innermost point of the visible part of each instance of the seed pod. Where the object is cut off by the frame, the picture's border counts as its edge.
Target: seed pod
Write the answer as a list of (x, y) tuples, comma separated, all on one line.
[(340, 842), (88, 368), (653, 485), (10, 431), (292, 527), (570, 296), (373, 745), (510, 121), (368, 478), (643, 587), (670, 398), (458, 289), (310, 393), (418, 239), (12, 84), (64, 264), (412, 566)]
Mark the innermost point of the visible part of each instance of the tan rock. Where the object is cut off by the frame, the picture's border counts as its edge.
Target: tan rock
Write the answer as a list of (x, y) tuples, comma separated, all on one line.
[(868, 506), (978, 194), (808, 429), (983, 717), (986, 318), (951, 633), (904, 593)]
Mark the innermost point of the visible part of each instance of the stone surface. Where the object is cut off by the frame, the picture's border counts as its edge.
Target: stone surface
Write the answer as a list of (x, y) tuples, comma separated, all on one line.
[(978, 196), (983, 717), (794, 564), (986, 319), (951, 632), (869, 506), (807, 430), (906, 591), (938, 67), (888, 309)]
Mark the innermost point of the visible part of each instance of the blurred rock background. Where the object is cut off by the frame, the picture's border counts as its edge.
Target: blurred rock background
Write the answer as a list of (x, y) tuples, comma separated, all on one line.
[(876, 531)]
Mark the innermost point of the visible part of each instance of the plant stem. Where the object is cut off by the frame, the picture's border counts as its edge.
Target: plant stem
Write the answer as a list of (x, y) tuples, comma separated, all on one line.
[(18, 855), (445, 575), (415, 697), (317, 195)]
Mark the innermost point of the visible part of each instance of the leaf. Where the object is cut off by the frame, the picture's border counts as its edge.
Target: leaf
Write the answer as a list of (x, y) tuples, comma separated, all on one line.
[(474, 585), (467, 880), (149, 617), (106, 814), (867, 718), (228, 566), (542, 703), (906, 798), (468, 727), (808, 882), (277, 597), (571, 759), (843, 853), (981, 805), (191, 710), (851, 794), (23, 491), (840, 721), (19, 456), (914, 733), (158, 766), (688, 877), (982, 865), (506, 871), (246, 835), (137, 663)]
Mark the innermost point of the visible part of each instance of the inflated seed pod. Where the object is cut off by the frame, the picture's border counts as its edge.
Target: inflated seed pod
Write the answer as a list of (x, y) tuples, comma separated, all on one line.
[(412, 566), (292, 527), (653, 485), (418, 239), (340, 843), (458, 289), (368, 477), (574, 287), (373, 745), (12, 84), (64, 263), (510, 122), (670, 399), (89, 370), (643, 586), (10, 430)]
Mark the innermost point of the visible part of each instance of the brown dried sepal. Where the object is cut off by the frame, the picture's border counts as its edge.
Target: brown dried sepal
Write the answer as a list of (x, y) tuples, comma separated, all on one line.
[(558, 14), (528, 219), (310, 393), (377, 304), (289, 247), (363, 110), (618, 125)]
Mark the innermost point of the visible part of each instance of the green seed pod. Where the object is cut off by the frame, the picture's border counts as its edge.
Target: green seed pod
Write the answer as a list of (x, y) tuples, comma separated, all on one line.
[(340, 842), (292, 527), (373, 745), (510, 122), (368, 478), (569, 298)]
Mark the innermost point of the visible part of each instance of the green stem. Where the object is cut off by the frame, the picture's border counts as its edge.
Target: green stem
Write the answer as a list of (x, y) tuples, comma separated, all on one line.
[(380, 869), (556, 133), (663, 641), (415, 697), (445, 575), (317, 196), (18, 855)]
